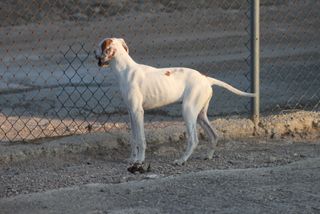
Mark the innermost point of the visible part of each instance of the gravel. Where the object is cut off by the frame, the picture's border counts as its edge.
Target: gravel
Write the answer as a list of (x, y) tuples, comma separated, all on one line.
[(46, 172), (293, 188)]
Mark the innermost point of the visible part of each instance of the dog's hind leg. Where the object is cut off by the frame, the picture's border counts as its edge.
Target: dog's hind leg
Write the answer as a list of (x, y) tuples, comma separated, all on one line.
[(192, 139), (209, 130), (193, 102)]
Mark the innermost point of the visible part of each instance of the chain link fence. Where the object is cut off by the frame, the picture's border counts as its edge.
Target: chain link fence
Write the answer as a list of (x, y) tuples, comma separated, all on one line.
[(50, 84), (290, 56)]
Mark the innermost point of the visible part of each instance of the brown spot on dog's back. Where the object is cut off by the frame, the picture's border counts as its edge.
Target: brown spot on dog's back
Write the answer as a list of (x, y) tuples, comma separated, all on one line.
[(168, 73), (105, 44)]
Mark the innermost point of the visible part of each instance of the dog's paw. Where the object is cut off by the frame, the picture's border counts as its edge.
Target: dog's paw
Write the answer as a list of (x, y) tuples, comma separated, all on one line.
[(211, 156), (179, 162), (139, 168)]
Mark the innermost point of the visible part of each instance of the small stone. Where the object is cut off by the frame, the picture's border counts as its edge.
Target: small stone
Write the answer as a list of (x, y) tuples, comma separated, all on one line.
[(152, 176)]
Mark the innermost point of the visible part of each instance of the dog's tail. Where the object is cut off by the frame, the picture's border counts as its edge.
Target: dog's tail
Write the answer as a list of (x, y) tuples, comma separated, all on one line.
[(229, 87)]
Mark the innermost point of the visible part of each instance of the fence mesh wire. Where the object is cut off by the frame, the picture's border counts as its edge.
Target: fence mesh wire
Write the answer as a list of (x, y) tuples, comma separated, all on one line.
[(50, 84), (290, 56)]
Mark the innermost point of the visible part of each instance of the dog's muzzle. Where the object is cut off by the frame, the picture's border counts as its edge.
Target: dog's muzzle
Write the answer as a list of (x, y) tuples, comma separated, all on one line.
[(101, 60), (102, 63)]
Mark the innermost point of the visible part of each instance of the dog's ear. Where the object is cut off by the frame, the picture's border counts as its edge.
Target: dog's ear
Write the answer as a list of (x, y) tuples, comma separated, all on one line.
[(125, 46)]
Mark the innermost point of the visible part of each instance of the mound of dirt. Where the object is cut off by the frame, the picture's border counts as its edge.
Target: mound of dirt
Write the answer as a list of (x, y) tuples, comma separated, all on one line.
[(294, 127)]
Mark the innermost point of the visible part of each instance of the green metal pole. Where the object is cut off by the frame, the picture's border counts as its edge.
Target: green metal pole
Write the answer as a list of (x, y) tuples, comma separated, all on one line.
[(255, 60)]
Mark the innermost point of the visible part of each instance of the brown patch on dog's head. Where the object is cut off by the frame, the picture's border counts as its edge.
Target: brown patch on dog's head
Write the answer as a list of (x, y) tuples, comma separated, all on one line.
[(168, 73), (105, 44), (108, 49), (106, 53)]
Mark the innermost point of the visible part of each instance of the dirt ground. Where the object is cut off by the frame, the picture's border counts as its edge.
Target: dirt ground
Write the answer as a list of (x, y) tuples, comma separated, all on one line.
[(243, 175), (293, 188), (287, 189)]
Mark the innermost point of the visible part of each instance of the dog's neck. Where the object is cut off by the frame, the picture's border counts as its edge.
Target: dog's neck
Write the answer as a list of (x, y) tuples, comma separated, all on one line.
[(121, 62)]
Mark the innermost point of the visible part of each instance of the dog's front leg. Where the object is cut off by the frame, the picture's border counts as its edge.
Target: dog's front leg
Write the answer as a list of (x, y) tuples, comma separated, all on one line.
[(134, 151), (138, 142)]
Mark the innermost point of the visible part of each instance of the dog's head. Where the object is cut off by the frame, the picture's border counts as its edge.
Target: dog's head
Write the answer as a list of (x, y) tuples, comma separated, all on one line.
[(108, 49)]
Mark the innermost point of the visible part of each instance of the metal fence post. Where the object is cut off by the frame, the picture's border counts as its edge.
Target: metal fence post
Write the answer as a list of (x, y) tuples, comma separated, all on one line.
[(255, 59)]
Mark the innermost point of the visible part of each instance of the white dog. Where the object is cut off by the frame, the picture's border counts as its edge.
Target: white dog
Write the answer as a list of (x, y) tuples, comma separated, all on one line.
[(145, 87)]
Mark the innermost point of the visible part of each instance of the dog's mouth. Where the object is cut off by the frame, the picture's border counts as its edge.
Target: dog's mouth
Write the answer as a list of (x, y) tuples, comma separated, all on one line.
[(101, 60), (103, 63)]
